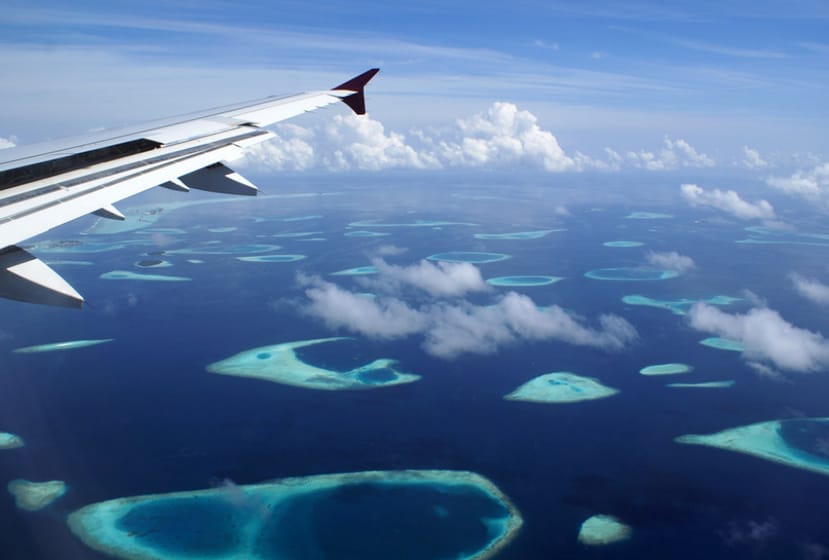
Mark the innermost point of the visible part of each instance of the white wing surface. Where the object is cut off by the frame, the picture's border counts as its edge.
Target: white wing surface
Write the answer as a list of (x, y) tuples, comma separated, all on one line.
[(44, 186)]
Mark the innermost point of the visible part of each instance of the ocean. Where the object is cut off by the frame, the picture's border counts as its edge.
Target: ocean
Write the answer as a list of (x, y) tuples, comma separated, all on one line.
[(141, 415)]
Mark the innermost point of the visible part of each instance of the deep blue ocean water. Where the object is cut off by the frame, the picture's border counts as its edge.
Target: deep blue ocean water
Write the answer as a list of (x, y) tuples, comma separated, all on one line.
[(141, 415)]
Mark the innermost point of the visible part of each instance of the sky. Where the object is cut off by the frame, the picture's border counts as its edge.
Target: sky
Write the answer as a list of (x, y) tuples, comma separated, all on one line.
[(552, 85)]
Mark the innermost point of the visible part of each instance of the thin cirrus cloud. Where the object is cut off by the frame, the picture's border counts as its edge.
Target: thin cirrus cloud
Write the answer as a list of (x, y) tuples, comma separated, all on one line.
[(766, 336), (452, 327), (727, 201), (501, 137)]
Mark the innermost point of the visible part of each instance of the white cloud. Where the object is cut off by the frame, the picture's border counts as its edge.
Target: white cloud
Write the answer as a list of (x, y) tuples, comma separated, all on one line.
[(6, 143), (390, 250), (672, 261), (442, 279), (752, 159), (452, 329), (810, 288), (673, 155), (727, 201), (811, 184), (766, 337)]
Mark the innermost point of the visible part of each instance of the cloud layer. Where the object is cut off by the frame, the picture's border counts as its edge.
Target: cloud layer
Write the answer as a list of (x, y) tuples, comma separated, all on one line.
[(500, 137), (453, 327), (672, 261), (727, 201), (810, 288), (766, 337)]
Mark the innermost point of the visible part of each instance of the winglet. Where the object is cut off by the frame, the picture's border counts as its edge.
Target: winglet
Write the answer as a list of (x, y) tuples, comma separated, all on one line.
[(357, 101)]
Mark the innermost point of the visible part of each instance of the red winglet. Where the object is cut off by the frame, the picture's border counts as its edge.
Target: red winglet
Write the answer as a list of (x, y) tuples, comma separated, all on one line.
[(357, 102)]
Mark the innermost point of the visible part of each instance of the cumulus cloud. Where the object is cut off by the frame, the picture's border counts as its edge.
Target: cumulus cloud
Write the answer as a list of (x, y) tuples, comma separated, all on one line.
[(672, 261), (457, 327), (727, 201), (811, 289), (674, 154), (811, 184), (389, 250), (6, 143), (766, 337), (442, 279), (752, 159)]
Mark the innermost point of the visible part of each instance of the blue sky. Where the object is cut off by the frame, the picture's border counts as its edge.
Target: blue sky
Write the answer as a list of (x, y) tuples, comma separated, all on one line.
[(720, 75)]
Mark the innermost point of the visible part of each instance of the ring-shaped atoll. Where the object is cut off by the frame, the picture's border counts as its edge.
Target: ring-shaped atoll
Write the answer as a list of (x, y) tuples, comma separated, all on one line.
[(560, 387), (364, 233), (637, 274), (279, 363), (130, 275), (404, 515), (724, 384), (218, 249), (523, 281), (796, 442), (648, 216), (474, 257), (679, 306)]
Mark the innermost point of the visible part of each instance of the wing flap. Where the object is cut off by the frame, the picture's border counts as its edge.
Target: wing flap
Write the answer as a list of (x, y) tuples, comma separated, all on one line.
[(26, 278)]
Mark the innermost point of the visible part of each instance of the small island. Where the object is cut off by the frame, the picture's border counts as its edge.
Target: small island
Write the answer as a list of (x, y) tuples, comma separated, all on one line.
[(560, 387), (33, 496), (602, 530)]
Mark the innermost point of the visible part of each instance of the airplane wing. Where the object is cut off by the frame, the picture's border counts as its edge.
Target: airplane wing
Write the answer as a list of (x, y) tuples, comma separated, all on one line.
[(44, 186)]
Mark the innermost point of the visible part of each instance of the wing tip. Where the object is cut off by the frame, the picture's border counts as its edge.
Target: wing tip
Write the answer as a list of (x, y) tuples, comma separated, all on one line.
[(357, 84)]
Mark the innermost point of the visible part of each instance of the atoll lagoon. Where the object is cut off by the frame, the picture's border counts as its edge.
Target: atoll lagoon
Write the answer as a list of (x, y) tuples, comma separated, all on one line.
[(666, 369), (517, 235), (65, 345), (129, 275), (473, 257), (153, 263), (636, 274), (601, 530), (32, 496), (10, 441), (723, 344), (679, 306), (797, 442), (280, 364), (522, 281), (560, 387), (272, 258), (376, 515)]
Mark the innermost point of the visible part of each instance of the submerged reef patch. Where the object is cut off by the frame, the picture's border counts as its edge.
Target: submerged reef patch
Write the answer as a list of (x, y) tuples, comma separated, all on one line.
[(560, 387), (217, 249), (517, 235), (129, 275), (66, 345), (679, 306), (725, 384), (666, 369), (153, 263), (280, 364), (32, 496), (272, 258), (797, 442), (404, 515), (473, 257), (10, 441), (622, 244), (637, 274), (356, 271), (648, 216), (364, 233), (723, 344), (603, 529), (416, 223)]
